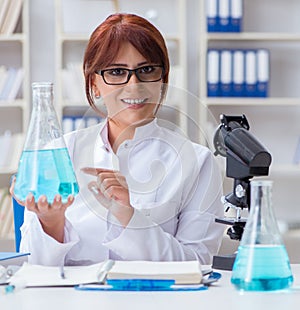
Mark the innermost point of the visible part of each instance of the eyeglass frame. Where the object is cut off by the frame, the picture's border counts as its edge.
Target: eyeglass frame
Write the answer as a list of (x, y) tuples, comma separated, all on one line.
[(130, 73)]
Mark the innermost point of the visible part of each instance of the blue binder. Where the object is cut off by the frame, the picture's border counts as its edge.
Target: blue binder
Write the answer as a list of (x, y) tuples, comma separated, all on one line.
[(226, 73), (263, 59), (224, 15), (238, 76), (250, 74), (236, 15), (213, 71), (212, 15)]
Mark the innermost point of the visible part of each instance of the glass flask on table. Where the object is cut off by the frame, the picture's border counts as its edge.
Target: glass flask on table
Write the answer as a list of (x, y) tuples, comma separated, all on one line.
[(262, 262), (45, 167)]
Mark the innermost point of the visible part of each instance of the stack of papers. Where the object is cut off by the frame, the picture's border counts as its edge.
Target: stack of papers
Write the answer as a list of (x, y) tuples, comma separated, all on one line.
[(181, 272)]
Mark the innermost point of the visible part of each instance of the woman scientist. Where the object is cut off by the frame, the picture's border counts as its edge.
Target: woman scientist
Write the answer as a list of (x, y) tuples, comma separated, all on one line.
[(146, 192)]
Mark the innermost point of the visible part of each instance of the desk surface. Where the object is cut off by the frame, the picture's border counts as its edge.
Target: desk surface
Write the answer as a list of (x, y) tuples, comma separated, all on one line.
[(221, 296)]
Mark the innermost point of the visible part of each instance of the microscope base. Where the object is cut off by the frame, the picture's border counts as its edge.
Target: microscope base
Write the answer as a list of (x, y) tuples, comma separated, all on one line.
[(223, 262)]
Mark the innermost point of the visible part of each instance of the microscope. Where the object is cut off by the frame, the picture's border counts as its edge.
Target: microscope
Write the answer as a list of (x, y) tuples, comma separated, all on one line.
[(246, 158)]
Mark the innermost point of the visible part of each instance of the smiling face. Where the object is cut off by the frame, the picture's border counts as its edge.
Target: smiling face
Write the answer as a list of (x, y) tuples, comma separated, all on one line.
[(135, 101)]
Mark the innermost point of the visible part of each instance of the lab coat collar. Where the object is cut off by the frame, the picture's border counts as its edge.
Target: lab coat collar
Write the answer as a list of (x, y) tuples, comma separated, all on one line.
[(140, 132)]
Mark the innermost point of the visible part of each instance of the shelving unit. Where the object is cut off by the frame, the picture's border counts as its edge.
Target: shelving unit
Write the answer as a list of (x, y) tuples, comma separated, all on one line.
[(72, 37), (273, 120), (14, 114)]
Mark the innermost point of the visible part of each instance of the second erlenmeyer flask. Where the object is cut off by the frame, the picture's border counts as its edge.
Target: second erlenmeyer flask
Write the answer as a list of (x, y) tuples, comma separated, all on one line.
[(45, 167), (262, 262)]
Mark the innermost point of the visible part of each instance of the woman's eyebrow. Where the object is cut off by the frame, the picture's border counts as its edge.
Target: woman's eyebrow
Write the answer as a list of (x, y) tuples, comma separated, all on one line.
[(125, 65)]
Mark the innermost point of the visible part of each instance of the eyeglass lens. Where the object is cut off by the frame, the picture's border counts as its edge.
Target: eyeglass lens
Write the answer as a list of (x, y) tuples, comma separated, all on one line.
[(122, 76)]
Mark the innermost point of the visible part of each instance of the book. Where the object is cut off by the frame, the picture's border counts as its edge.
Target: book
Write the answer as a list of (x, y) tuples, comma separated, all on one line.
[(13, 258), (8, 83), (188, 272), (16, 85), (4, 4), (12, 16)]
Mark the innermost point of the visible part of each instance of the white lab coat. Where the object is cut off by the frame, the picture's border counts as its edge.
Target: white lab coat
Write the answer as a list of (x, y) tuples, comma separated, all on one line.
[(175, 189)]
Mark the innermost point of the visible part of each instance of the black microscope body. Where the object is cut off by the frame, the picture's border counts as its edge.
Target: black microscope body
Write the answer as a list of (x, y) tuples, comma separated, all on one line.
[(246, 157)]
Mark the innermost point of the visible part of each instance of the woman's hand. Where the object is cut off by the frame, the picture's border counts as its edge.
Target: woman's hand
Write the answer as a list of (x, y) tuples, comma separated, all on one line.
[(111, 190), (51, 216)]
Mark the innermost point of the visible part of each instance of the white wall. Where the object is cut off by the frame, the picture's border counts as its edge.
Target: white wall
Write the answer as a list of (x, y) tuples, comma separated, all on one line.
[(42, 47)]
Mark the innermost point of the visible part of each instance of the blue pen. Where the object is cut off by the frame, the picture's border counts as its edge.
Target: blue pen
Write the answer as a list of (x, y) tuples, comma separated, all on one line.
[(140, 285)]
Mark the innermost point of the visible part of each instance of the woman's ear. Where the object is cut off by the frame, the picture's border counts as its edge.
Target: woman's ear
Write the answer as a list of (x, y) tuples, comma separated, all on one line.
[(95, 89)]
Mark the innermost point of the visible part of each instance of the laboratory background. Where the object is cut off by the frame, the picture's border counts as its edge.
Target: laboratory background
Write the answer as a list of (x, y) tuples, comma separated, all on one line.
[(227, 57)]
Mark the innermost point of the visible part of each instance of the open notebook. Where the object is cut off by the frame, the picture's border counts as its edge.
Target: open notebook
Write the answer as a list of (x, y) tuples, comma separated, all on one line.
[(188, 272)]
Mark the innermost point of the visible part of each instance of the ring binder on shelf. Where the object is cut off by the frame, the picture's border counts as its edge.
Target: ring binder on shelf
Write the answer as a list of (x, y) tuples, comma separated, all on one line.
[(236, 15), (212, 15), (250, 74), (238, 78), (224, 12), (213, 68), (226, 73), (262, 72)]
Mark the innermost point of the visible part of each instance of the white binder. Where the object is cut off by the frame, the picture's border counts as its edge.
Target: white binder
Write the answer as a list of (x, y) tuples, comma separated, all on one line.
[(213, 68), (226, 73), (263, 73), (212, 15), (238, 78), (224, 13), (250, 73), (236, 15)]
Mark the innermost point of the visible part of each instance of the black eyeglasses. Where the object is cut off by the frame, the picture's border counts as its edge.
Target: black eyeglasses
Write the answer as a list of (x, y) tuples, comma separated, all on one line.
[(119, 76)]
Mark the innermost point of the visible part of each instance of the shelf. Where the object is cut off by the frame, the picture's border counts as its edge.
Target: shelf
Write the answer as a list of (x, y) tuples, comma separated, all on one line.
[(19, 103), (285, 170), (15, 113), (8, 170), (13, 37), (247, 101), (73, 37), (254, 36)]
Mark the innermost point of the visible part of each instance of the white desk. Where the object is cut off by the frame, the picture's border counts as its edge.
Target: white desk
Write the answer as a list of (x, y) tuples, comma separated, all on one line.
[(220, 296)]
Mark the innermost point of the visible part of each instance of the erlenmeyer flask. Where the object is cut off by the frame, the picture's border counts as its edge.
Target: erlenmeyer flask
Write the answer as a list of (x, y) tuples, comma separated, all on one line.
[(262, 262), (45, 167)]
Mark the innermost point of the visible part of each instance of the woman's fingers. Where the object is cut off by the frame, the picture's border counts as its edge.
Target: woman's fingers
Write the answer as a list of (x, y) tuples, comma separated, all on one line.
[(11, 191), (94, 171), (103, 174), (42, 206), (30, 203)]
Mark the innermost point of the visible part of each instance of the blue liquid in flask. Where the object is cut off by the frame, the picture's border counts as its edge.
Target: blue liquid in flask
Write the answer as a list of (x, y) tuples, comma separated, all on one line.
[(262, 268), (46, 172)]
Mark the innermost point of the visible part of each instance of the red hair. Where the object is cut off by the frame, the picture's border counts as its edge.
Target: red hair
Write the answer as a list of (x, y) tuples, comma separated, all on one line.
[(107, 38)]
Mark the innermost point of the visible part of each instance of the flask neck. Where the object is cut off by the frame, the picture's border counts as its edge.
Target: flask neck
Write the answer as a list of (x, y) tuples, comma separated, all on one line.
[(261, 193), (44, 131), (42, 94), (261, 227)]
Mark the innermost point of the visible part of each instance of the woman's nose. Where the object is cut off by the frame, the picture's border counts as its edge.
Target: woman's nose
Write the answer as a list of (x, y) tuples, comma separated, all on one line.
[(133, 79)]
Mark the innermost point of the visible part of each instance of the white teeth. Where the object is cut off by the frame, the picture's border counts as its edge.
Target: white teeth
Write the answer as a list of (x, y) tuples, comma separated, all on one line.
[(134, 101)]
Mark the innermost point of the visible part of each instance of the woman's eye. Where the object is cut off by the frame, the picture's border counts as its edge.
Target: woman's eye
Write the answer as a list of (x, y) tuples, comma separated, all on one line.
[(147, 69), (117, 72)]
